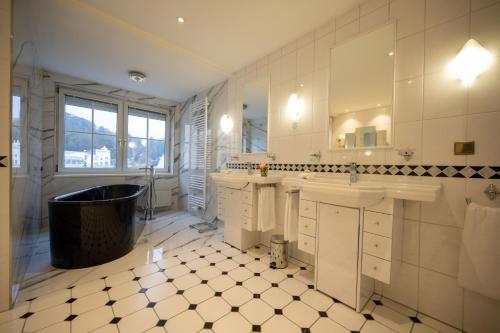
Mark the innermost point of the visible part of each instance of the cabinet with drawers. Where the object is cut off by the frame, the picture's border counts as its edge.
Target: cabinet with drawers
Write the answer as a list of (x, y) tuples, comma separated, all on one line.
[(238, 209), (307, 226)]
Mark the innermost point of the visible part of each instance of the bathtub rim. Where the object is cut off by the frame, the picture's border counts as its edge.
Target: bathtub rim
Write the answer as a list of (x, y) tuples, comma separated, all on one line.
[(56, 200)]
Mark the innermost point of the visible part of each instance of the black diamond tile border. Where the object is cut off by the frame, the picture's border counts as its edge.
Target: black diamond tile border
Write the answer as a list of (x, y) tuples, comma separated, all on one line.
[(455, 171)]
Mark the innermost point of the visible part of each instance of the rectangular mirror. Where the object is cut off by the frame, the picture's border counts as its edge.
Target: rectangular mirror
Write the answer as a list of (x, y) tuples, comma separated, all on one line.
[(255, 107), (362, 91)]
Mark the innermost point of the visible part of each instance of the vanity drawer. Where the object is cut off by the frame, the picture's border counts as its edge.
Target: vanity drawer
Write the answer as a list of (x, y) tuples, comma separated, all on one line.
[(378, 246), (307, 243), (307, 209), (377, 268), (247, 210), (307, 226), (378, 223), (247, 197), (248, 188)]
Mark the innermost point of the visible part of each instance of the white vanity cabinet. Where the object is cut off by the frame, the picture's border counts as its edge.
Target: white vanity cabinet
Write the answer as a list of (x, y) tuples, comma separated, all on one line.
[(307, 226), (238, 209)]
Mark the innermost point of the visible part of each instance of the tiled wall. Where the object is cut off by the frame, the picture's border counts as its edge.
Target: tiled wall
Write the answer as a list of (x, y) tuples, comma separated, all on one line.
[(5, 75), (53, 185), (431, 112)]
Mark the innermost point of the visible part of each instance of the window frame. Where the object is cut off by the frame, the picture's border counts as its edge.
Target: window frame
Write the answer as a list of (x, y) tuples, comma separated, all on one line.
[(21, 84), (121, 134), (146, 108)]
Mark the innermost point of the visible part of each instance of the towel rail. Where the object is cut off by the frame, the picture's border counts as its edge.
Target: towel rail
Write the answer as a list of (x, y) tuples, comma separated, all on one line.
[(491, 192)]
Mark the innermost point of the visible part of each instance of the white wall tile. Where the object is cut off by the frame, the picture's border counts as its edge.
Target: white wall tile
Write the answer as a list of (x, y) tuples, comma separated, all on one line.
[(346, 18), (449, 208), (483, 94), (376, 18), (406, 135), (443, 42), (324, 29), (439, 249), (439, 11), (290, 47), (484, 129), (440, 296), (475, 189), (347, 31), (320, 84), (275, 72), (480, 313), (404, 286), (478, 4), (410, 56), (320, 115), (305, 59), (411, 241), (372, 5), (322, 50), (409, 100), (439, 136), (305, 39), (289, 67), (410, 15), (444, 96)]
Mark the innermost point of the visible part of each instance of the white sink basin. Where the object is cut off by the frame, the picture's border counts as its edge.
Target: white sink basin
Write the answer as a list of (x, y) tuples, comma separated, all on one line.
[(362, 193), (238, 181)]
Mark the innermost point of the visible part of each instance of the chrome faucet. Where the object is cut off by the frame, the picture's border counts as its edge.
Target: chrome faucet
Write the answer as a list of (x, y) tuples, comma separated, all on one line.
[(353, 173), (249, 168)]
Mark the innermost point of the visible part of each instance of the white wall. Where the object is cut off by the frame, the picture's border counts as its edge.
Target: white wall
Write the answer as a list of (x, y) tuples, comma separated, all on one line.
[(431, 112)]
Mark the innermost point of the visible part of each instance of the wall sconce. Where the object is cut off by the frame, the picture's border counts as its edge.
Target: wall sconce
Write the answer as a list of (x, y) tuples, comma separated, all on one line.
[(226, 123), (472, 60), (295, 108)]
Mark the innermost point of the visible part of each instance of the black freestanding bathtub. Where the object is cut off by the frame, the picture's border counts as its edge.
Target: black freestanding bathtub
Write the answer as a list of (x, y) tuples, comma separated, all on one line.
[(93, 226)]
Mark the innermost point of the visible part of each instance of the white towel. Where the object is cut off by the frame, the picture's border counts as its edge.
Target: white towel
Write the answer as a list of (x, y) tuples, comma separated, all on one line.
[(266, 219), (479, 266), (291, 223)]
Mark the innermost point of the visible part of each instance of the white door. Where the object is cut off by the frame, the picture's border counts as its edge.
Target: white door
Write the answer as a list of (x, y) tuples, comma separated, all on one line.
[(337, 262)]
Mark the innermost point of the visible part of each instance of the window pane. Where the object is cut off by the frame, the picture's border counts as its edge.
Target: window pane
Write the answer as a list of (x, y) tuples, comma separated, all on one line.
[(77, 118), (105, 122), (77, 150), (137, 123), (136, 153), (156, 126), (16, 110), (157, 153), (104, 151), (16, 149)]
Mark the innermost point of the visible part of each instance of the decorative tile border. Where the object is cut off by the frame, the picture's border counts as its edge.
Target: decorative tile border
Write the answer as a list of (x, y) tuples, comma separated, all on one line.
[(3, 161), (482, 172)]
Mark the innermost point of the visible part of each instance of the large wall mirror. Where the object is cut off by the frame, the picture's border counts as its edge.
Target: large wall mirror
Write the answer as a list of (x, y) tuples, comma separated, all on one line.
[(255, 106), (362, 91)]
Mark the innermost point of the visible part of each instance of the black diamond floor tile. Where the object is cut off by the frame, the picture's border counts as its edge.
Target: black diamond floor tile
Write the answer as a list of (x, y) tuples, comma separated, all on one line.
[(415, 319), (26, 315), (368, 316), (208, 325), (110, 302), (151, 305), (161, 322), (115, 320), (70, 317), (323, 314), (256, 328), (71, 300), (278, 311), (378, 302)]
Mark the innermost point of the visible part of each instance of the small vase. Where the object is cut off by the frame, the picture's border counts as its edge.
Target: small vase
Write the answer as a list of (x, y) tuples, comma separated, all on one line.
[(263, 172)]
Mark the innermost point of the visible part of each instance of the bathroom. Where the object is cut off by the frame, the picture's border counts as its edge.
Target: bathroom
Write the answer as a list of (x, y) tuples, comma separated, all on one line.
[(266, 166)]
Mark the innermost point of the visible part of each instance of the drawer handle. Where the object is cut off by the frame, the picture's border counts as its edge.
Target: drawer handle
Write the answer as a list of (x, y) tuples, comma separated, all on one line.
[(376, 245), (337, 212), (377, 223), (375, 268), (305, 243), (306, 226), (306, 209)]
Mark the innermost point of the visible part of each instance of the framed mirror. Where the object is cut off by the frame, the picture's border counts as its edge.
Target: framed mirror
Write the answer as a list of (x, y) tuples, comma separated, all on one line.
[(361, 98), (255, 111)]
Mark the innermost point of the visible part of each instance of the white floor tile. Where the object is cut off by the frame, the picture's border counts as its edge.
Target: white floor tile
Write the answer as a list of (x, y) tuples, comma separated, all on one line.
[(168, 262), (346, 317), (13, 326), (257, 266), (47, 317), (109, 328), (152, 280), (301, 314), (161, 292), (130, 304), (176, 271), (61, 327), (138, 322), (187, 256), (171, 306), (226, 265), (92, 320), (145, 270), (50, 300), (257, 285), (276, 297), (273, 275), (221, 283), (233, 322), (392, 319), (280, 324), (237, 296), (256, 311), (293, 286), (240, 274), (124, 290), (89, 302), (198, 294), (206, 250), (119, 278), (186, 322), (243, 258), (197, 263), (88, 288), (186, 281), (325, 325), (215, 257), (213, 309), (316, 300), (372, 326), (208, 272)]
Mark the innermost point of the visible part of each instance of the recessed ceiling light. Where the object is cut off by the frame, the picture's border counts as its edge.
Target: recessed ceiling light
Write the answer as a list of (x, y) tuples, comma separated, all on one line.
[(180, 19), (137, 76)]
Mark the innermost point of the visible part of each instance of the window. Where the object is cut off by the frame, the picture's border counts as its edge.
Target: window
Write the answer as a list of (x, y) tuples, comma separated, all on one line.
[(19, 125), (146, 139), (95, 136), (90, 133)]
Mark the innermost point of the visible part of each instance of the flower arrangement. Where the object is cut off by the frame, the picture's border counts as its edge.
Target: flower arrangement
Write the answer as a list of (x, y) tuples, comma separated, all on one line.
[(263, 169)]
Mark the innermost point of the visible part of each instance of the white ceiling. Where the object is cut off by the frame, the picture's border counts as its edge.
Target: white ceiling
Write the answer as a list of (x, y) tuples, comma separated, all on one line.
[(101, 40)]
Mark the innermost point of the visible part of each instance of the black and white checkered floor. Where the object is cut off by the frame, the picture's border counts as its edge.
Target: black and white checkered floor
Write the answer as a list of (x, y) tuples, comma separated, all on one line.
[(213, 288)]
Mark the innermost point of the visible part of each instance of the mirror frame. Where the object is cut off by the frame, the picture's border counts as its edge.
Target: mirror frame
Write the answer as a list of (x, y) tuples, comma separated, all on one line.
[(241, 85), (331, 146)]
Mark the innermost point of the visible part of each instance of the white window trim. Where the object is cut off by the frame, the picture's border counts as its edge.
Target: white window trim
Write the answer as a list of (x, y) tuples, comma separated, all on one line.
[(121, 136), (128, 105), (22, 84)]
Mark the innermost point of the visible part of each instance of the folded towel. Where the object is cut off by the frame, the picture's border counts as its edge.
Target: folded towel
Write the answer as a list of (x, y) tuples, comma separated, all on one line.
[(479, 265), (266, 219), (291, 223)]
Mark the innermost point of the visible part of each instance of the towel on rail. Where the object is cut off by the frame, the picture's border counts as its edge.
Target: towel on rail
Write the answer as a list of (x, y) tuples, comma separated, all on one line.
[(479, 264), (291, 222), (266, 214)]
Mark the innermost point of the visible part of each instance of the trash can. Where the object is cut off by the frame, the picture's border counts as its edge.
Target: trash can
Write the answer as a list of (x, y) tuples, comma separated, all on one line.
[(279, 252)]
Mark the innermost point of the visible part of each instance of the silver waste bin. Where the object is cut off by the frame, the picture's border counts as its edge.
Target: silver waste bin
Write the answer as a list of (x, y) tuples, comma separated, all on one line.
[(279, 252)]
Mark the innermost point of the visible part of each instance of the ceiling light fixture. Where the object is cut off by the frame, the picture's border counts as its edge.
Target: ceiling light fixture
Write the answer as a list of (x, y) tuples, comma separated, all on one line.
[(472, 60), (137, 76), (226, 123), (180, 19)]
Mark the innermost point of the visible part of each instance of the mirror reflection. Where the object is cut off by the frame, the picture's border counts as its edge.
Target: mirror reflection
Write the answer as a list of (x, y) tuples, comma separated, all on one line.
[(361, 91), (255, 116)]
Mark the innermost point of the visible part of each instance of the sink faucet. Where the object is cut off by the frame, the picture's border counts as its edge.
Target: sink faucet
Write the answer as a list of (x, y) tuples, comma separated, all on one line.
[(353, 173), (249, 168)]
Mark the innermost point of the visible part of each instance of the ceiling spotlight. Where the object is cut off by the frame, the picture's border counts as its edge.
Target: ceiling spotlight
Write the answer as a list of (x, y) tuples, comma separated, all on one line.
[(180, 19), (137, 76)]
